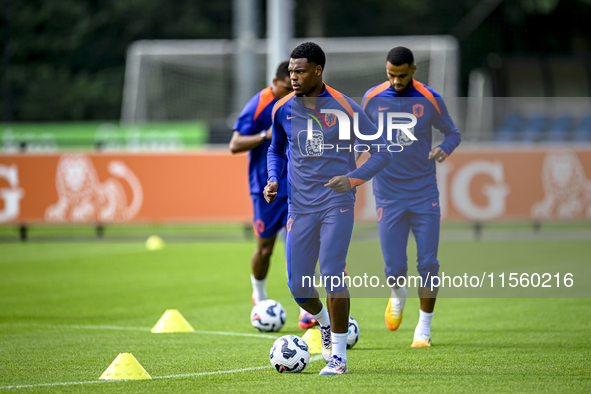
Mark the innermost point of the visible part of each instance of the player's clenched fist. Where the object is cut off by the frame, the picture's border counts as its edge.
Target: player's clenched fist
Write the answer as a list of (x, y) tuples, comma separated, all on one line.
[(270, 191), (437, 154)]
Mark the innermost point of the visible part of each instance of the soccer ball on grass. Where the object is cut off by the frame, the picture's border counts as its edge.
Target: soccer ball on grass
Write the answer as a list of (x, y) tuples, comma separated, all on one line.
[(353, 333), (289, 354), (268, 316)]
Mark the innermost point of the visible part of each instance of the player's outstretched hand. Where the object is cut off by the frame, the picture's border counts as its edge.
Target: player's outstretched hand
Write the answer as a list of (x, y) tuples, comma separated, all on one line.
[(339, 184), (437, 154), (270, 191)]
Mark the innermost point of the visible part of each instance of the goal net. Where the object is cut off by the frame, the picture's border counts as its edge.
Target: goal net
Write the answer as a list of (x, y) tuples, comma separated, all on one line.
[(184, 80)]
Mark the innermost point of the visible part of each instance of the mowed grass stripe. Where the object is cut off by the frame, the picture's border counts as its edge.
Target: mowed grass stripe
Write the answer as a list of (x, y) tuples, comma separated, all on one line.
[(188, 375), (495, 345)]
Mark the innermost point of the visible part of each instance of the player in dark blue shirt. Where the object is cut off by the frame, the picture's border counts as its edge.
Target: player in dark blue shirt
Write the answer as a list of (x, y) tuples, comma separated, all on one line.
[(252, 132), (322, 179), (406, 191)]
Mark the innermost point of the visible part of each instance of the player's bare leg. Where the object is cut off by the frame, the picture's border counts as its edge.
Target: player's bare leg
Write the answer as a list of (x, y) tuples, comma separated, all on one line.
[(422, 335), (260, 267), (313, 304), (428, 298), (339, 304)]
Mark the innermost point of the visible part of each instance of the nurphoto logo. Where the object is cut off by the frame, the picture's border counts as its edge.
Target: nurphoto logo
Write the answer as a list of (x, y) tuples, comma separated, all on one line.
[(399, 127)]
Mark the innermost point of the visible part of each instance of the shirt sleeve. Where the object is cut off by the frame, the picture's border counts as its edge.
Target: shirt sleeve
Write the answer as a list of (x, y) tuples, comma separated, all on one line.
[(378, 149), (277, 153), (445, 124), (245, 124)]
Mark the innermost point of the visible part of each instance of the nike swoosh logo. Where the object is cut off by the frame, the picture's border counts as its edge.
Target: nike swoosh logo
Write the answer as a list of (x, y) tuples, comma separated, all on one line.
[(434, 204), (344, 210), (383, 108), (291, 117)]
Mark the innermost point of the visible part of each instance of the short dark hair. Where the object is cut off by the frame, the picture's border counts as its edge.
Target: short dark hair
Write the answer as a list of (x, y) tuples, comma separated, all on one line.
[(310, 51), (282, 70), (400, 55)]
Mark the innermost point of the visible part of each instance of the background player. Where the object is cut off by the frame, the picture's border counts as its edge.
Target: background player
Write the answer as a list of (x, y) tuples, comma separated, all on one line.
[(406, 191), (322, 196), (252, 132)]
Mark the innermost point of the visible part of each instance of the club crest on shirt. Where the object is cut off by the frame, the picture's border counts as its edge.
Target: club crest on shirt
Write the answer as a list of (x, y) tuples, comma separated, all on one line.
[(312, 147), (331, 119), (418, 110)]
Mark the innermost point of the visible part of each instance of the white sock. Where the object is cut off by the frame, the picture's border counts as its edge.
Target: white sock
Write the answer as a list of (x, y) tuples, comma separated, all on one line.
[(339, 345), (322, 317), (398, 298), (258, 289), (302, 311), (423, 330)]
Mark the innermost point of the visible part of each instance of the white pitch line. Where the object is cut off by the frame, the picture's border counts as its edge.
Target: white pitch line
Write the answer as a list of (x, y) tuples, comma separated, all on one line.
[(76, 326), (24, 386), (315, 358), (188, 375), (99, 327)]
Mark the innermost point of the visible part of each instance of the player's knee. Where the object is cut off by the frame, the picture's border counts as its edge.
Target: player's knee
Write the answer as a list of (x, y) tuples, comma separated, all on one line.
[(265, 251)]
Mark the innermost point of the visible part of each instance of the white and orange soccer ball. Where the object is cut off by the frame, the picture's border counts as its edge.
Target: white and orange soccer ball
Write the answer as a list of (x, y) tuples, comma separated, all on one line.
[(289, 354), (268, 316)]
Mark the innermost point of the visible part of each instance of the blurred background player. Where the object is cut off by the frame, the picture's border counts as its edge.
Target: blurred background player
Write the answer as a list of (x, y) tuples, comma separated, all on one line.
[(252, 132), (322, 185), (406, 191)]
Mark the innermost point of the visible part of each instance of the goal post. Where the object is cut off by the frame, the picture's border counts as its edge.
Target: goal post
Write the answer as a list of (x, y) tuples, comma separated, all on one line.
[(186, 80)]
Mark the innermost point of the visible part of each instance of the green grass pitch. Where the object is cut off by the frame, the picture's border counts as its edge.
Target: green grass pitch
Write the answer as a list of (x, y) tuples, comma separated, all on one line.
[(67, 309)]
